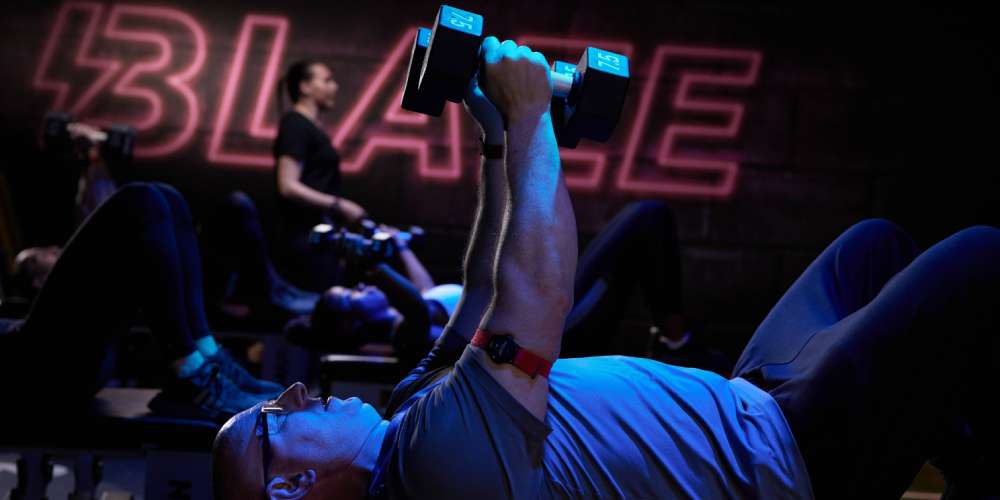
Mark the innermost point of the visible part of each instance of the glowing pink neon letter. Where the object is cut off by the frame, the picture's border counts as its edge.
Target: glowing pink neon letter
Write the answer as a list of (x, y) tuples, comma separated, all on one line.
[(683, 101), (418, 145), (256, 127), (126, 86), (61, 88), (179, 81)]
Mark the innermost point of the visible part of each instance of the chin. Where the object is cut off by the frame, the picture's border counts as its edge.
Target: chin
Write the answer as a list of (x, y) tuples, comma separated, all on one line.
[(354, 484), (348, 484), (380, 328)]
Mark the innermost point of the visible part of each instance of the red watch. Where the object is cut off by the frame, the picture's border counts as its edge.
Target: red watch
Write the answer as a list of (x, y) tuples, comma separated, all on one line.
[(503, 349)]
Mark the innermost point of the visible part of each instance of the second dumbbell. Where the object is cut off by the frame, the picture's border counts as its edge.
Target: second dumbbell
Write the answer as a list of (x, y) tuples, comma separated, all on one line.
[(587, 97)]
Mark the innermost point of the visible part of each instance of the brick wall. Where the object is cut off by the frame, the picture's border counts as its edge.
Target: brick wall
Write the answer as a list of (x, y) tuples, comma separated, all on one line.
[(857, 112)]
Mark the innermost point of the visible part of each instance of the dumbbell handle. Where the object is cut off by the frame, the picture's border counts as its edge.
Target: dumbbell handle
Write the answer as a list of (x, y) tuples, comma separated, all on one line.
[(562, 84)]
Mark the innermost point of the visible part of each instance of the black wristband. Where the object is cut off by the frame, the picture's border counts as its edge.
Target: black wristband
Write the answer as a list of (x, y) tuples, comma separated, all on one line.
[(490, 151)]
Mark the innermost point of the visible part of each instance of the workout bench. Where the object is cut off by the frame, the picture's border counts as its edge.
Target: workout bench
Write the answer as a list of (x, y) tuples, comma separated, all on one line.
[(176, 452)]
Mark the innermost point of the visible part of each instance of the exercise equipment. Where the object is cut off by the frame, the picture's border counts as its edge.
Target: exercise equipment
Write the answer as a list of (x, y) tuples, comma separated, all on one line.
[(369, 375), (116, 142), (176, 452), (587, 97), (371, 246), (117, 150), (55, 131)]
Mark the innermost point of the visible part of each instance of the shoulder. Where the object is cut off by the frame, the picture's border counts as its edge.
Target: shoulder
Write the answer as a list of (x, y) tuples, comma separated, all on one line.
[(416, 384), (292, 119), (9, 326), (462, 432)]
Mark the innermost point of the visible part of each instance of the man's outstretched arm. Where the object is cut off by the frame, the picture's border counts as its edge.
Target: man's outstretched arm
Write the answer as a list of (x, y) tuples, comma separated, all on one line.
[(480, 255), (536, 259)]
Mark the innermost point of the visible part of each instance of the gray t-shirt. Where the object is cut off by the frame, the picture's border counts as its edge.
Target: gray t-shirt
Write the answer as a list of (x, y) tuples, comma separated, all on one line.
[(616, 427)]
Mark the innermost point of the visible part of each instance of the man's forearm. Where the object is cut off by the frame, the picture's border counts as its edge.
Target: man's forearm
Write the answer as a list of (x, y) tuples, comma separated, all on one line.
[(536, 261), (415, 270), (480, 255), (307, 196)]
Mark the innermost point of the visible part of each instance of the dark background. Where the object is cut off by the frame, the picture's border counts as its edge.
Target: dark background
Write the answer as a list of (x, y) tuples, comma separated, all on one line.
[(857, 112)]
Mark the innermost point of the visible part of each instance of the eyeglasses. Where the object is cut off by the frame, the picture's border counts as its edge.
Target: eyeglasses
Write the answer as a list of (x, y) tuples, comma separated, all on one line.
[(269, 423)]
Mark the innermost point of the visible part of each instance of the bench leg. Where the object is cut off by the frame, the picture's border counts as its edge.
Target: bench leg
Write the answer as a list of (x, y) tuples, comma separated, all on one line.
[(87, 474), (178, 475), (34, 473)]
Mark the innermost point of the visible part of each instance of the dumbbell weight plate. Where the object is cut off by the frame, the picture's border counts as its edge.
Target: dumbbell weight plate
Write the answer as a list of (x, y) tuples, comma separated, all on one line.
[(560, 110), (120, 140), (55, 136), (597, 101), (452, 53), (413, 99)]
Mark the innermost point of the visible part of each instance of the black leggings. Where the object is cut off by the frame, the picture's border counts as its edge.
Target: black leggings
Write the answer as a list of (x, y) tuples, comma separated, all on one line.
[(637, 249), (882, 358), (412, 338), (235, 243), (137, 251), (306, 266)]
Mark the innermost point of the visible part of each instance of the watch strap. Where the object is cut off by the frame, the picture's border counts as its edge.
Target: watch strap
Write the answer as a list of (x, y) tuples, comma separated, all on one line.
[(490, 151), (525, 360)]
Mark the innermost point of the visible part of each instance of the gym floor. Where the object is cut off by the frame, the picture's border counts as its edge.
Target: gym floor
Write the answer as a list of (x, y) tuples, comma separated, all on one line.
[(126, 475), (121, 475)]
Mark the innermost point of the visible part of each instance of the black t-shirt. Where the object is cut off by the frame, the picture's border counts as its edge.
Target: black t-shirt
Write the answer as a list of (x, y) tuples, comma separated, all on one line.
[(300, 138)]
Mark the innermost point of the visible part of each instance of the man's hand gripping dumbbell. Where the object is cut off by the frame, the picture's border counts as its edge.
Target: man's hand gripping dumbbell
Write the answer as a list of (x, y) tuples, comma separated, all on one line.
[(587, 98)]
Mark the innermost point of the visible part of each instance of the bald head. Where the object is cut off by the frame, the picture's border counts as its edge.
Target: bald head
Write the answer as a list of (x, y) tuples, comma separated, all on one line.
[(33, 265), (236, 458), (314, 446)]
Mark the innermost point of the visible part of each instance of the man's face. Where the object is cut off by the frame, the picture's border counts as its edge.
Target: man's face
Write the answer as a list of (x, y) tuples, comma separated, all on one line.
[(321, 86), (38, 263), (322, 435), (369, 298), (47, 257)]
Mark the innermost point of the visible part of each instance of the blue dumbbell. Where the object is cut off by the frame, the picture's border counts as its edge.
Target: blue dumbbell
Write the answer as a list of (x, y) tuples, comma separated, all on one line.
[(587, 97)]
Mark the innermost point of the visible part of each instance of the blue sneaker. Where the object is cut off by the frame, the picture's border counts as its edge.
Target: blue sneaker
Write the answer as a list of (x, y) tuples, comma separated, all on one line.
[(206, 394), (242, 378)]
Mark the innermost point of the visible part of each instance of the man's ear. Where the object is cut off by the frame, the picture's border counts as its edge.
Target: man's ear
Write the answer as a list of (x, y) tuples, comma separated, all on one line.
[(283, 487)]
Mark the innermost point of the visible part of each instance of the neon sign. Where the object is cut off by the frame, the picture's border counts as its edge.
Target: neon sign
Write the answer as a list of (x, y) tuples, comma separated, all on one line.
[(255, 127), (628, 176), (121, 25), (649, 154)]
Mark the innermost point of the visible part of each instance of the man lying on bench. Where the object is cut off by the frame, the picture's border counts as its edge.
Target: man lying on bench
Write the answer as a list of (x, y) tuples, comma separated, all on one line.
[(136, 252), (822, 401)]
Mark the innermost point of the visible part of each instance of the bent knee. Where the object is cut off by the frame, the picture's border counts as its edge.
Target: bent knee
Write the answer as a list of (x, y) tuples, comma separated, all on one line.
[(134, 190), (240, 201), (175, 200), (651, 211), (139, 197), (877, 231), (980, 239), (143, 201), (879, 228), (168, 191)]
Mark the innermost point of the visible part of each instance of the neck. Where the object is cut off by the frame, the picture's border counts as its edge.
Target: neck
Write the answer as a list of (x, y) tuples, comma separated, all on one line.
[(308, 108), (370, 449)]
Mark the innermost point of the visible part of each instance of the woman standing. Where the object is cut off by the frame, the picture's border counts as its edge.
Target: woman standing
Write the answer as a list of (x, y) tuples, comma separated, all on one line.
[(308, 174)]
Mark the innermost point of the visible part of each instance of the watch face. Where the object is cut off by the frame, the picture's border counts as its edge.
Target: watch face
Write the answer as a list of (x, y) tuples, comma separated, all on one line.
[(502, 349)]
